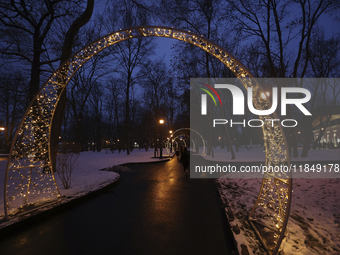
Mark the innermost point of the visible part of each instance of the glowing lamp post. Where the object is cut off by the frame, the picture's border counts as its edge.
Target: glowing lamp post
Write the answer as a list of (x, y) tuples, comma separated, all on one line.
[(170, 142), (161, 121), (3, 129)]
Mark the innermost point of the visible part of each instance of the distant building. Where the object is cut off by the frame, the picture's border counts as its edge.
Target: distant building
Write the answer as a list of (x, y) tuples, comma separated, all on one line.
[(326, 124)]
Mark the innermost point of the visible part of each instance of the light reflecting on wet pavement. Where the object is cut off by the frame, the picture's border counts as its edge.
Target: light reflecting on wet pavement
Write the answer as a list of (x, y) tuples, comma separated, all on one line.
[(154, 209), (3, 158)]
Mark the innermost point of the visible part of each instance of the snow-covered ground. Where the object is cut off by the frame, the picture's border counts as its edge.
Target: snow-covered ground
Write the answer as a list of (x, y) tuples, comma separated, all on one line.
[(86, 176), (314, 224), (256, 154)]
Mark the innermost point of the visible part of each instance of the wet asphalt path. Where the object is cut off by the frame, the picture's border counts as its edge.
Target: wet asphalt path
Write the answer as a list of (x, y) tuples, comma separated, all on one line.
[(154, 209)]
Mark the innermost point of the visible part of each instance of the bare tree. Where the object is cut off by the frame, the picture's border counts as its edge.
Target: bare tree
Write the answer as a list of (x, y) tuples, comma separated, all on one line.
[(66, 164), (130, 54), (66, 53), (113, 104), (284, 39), (27, 32), (96, 103), (280, 32), (197, 16), (171, 101), (154, 81), (325, 63), (26, 29), (12, 101), (201, 17), (80, 91)]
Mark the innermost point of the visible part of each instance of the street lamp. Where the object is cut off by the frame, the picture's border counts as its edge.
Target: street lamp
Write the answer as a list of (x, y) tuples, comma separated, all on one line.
[(118, 145), (170, 142), (3, 129), (161, 121)]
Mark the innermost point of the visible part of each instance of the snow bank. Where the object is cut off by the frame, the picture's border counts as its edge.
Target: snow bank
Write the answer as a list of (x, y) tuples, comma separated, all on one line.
[(313, 226), (86, 177)]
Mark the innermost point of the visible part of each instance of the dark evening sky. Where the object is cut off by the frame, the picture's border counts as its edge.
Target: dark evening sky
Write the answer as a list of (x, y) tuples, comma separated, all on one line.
[(328, 24)]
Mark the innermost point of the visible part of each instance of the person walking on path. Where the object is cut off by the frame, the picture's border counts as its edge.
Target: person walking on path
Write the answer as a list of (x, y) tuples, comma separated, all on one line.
[(185, 159)]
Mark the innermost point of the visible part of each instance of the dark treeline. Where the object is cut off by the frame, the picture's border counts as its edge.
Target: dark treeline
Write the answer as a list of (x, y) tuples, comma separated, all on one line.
[(117, 98)]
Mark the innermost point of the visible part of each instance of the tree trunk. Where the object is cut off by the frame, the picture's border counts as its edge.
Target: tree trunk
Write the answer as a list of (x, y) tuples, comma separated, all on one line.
[(307, 123), (66, 53), (229, 144), (35, 75), (127, 116)]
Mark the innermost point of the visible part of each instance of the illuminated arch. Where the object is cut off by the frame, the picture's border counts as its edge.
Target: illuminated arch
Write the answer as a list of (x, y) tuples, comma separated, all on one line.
[(192, 130), (183, 140), (185, 144), (29, 171)]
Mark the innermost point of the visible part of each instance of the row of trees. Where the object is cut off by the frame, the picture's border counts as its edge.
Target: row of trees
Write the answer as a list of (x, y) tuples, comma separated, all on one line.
[(272, 38), (119, 94), (122, 92)]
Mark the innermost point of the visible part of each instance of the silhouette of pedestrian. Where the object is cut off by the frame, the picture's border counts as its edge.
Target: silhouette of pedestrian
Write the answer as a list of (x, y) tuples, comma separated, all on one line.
[(185, 159)]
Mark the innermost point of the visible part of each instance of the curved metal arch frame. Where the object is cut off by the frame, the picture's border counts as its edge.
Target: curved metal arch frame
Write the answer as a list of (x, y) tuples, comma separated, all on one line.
[(194, 145), (30, 147), (185, 144), (193, 130)]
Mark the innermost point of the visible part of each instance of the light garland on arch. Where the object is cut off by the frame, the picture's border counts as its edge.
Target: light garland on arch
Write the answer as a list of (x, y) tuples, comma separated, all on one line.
[(194, 132), (29, 173)]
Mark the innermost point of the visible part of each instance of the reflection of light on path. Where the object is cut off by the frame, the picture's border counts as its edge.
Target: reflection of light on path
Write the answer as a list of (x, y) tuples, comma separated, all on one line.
[(23, 241), (165, 180), (3, 158), (163, 187)]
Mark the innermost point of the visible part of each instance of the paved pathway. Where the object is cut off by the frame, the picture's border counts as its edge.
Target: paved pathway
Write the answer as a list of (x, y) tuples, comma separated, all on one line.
[(154, 209)]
